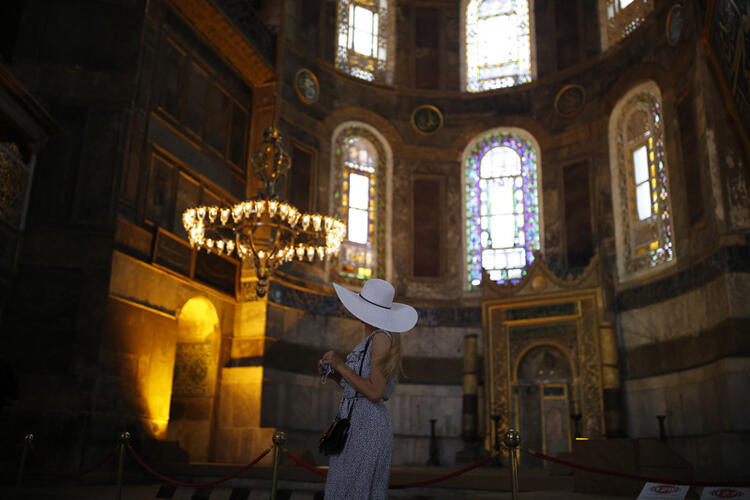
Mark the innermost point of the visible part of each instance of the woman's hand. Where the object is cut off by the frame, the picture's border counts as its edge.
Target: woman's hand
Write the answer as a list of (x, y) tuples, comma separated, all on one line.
[(333, 360)]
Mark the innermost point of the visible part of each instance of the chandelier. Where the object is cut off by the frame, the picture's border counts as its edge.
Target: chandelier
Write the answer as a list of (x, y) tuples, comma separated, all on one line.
[(264, 229)]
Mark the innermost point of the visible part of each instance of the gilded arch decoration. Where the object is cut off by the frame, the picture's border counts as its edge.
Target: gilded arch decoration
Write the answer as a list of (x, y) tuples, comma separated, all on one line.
[(545, 310)]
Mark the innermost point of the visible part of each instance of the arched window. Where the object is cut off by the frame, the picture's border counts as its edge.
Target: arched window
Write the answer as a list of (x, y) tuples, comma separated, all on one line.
[(640, 182), (359, 192), (498, 44), (501, 206), (365, 40), (619, 18)]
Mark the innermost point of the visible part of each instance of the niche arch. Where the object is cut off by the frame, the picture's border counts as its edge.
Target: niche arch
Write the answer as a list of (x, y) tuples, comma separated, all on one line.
[(195, 372), (544, 387)]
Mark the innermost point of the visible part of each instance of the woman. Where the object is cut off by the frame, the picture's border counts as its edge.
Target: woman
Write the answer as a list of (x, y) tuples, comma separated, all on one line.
[(362, 469)]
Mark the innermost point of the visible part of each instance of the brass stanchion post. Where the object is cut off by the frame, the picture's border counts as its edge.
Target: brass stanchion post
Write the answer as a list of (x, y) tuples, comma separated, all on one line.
[(279, 438), (124, 441), (27, 442), (511, 440)]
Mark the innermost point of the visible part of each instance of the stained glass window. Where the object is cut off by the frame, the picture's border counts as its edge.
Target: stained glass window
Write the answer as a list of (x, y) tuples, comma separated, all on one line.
[(619, 18), (363, 38), (498, 44), (359, 200), (502, 207), (641, 182)]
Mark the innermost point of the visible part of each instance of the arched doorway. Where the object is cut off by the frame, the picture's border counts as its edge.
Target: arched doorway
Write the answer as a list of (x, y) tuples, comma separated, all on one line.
[(194, 383), (544, 380)]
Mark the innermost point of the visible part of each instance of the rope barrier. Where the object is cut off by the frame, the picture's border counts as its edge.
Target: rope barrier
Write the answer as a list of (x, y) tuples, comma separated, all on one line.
[(647, 479), (441, 478), (236, 473), (417, 484), (50, 470), (304, 465)]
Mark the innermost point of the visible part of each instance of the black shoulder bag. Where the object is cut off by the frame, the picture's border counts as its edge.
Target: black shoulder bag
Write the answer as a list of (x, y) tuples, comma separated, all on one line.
[(333, 439)]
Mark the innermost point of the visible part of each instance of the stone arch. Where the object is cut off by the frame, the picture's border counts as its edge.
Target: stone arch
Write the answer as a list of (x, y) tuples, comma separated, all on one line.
[(552, 358)]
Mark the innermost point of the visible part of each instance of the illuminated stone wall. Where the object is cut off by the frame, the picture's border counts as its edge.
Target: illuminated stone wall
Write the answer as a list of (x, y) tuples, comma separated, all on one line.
[(92, 321)]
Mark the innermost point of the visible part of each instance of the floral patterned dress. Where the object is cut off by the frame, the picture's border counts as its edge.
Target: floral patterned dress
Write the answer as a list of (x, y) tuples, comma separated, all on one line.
[(362, 470)]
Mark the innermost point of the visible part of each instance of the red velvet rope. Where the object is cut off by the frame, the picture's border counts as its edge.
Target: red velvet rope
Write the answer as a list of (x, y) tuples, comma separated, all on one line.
[(636, 477), (305, 465), (50, 470), (194, 485), (441, 478), (400, 486)]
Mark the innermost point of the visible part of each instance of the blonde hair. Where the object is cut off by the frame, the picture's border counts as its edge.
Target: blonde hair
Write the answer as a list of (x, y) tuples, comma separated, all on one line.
[(390, 364)]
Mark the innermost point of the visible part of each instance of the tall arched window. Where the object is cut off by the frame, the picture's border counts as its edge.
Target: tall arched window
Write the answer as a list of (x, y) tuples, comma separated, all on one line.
[(501, 202), (498, 44), (619, 18), (359, 193), (365, 39), (640, 182)]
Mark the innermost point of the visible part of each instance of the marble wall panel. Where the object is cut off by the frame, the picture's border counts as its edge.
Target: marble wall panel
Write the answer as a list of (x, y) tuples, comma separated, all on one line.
[(438, 342), (302, 406), (343, 333), (322, 332), (685, 315), (413, 405), (703, 400), (717, 455), (738, 291)]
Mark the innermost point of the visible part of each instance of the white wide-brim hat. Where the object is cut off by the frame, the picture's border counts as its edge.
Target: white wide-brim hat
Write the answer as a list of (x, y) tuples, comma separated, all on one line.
[(374, 305)]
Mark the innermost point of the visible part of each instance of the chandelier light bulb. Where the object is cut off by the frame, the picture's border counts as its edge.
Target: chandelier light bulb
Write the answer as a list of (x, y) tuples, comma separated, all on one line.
[(269, 231)]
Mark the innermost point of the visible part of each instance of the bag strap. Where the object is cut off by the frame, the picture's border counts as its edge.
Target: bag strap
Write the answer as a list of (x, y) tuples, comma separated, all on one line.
[(361, 362)]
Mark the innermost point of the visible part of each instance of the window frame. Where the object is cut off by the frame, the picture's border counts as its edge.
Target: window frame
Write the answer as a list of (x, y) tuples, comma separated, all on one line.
[(630, 261), (534, 148), (381, 235), (373, 68), (463, 54), (623, 21)]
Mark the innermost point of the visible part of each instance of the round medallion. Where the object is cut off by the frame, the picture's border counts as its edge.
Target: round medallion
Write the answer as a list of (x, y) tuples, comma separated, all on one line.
[(426, 119), (570, 100), (307, 87), (675, 22)]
